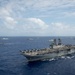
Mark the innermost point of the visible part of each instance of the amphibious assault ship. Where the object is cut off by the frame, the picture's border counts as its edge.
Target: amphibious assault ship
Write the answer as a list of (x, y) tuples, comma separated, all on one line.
[(55, 50)]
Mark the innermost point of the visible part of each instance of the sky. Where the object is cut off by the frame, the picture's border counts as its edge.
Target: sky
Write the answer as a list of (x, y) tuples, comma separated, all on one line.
[(37, 17)]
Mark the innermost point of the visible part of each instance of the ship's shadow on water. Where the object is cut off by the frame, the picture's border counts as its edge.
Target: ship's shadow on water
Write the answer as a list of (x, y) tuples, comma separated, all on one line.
[(37, 67), (34, 64), (37, 63)]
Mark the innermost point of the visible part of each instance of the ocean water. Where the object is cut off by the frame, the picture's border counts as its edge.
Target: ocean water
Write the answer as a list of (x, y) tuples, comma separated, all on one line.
[(13, 63)]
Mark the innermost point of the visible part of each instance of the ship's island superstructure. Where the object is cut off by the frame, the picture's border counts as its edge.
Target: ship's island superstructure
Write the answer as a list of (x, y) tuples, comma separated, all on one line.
[(55, 50)]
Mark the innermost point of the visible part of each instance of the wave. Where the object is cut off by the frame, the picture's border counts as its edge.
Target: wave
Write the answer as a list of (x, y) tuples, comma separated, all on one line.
[(58, 58), (52, 59), (9, 43), (6, 72)]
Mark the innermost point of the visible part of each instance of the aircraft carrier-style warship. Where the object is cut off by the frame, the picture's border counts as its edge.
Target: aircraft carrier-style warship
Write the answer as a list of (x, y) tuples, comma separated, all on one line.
[(55, 50)]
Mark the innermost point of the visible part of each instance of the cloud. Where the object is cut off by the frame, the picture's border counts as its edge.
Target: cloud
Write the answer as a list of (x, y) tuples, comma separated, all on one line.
[(24, 7), (6, 17), (4, 12), (69, 14), (25, 17), (38, 22), (37, 27), (10, 22), (27, 26), (62, 29), (32, 26)]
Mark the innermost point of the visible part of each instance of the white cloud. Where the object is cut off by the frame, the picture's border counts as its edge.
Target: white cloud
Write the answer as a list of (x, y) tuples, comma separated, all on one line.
[(4, 12), (61, 29), (25, 9), (6, 16), (52, 4), (36, 26), (69, 14), (38, 22), (32, 26), (20, 6), (28, 26), (60, 26), (10, 22)]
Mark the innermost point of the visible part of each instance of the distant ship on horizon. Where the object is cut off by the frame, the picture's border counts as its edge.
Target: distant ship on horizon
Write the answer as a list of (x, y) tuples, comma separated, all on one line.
[(5, 38)]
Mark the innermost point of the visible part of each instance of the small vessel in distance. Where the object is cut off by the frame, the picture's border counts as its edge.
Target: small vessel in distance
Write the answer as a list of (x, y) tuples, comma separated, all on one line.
[(55, 50)]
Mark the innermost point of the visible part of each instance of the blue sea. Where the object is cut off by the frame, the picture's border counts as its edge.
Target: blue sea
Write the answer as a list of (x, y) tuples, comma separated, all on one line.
[(13, 63)]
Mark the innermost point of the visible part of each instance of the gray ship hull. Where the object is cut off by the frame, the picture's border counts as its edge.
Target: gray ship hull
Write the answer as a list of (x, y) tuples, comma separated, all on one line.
[(50, 55)]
